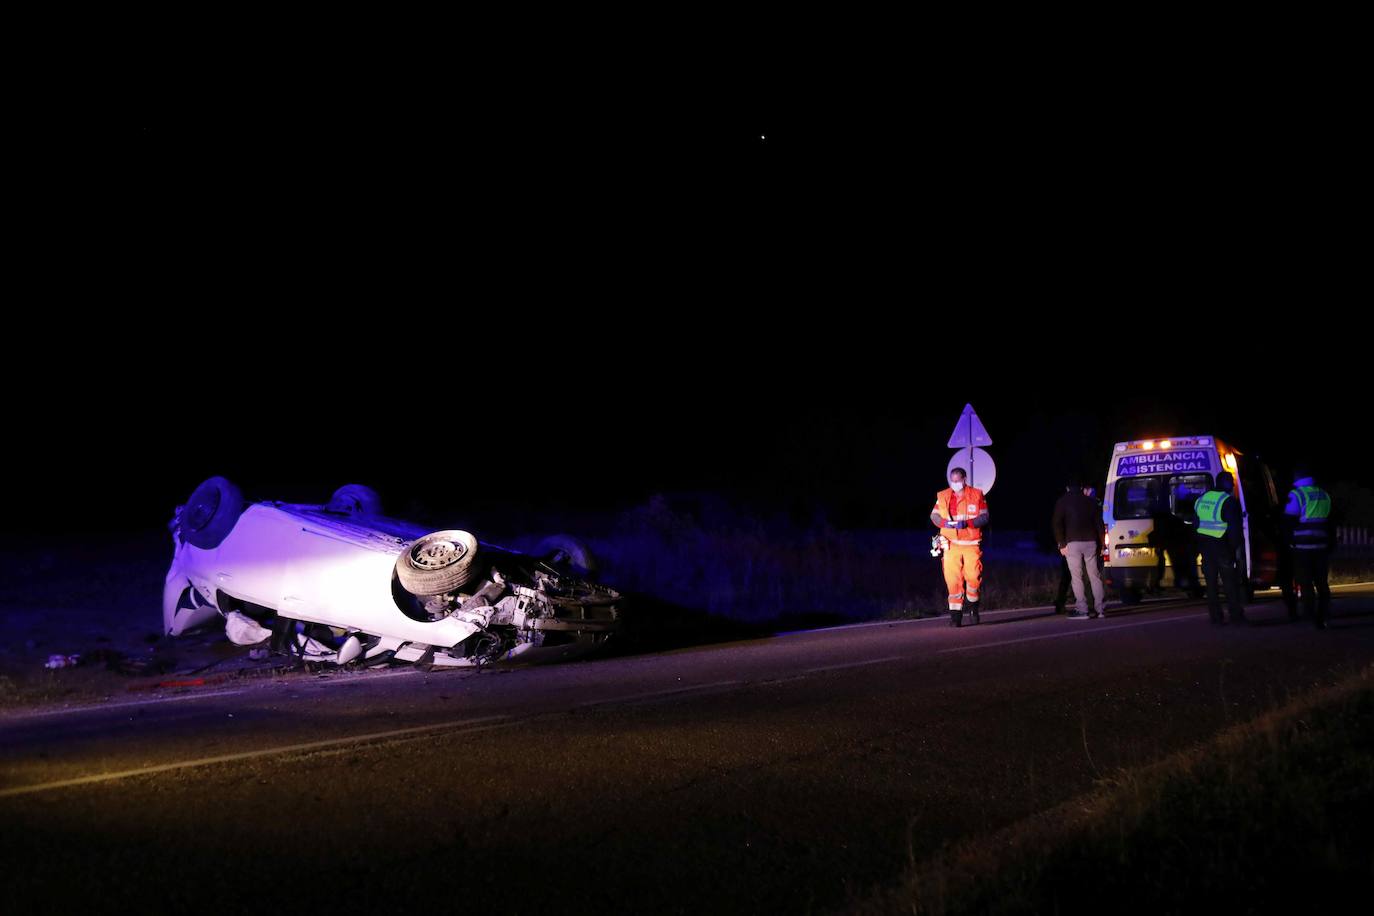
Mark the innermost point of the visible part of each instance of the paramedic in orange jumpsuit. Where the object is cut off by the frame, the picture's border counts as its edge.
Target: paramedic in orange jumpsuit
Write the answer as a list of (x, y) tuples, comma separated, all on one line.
[(961, 513)]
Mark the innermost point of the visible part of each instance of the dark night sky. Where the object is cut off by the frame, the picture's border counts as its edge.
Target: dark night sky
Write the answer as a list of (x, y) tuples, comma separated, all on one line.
[(575, 308)]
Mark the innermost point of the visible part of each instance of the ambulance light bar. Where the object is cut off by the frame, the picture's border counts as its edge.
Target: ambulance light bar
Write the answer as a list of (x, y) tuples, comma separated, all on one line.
[(1150, 445)]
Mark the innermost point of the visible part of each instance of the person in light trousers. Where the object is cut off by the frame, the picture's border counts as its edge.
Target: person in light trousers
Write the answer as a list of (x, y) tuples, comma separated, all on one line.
[(1078, 531)]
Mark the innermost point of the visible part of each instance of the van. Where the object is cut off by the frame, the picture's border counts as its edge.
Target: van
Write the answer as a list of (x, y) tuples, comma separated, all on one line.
[(1150, 522)]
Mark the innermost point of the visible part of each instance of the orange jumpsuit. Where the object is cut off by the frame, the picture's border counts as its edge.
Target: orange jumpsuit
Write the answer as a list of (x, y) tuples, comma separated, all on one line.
[(963, 561)]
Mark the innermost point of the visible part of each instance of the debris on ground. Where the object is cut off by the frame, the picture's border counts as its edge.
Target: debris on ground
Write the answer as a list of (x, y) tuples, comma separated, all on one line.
[(113, 660)]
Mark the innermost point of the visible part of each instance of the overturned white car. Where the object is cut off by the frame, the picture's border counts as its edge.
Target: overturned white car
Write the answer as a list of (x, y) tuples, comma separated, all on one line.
[(341, 582)]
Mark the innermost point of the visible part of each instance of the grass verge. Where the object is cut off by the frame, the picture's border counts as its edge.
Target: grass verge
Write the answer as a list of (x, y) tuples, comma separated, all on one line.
[(1271, 815)]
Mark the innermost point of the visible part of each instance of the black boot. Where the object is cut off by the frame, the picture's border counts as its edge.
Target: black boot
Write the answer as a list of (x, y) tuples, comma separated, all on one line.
[(973, 609), (283, 636), (956, 618)]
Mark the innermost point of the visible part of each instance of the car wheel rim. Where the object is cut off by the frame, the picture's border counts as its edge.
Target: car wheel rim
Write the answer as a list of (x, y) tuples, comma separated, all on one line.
[(439, 554)]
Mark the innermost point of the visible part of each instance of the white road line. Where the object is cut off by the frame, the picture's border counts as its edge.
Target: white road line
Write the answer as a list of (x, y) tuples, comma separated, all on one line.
[(941, 617), (382, 675), (182, 697), (1160, 604), (1089, 629), (463, 725), (249, 755), (101, 707), (656, 693), (1153, 604), (778, 680), (871, 661)]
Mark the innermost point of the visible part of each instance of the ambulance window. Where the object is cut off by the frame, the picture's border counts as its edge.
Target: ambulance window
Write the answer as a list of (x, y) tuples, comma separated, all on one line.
[(1139, 497), (1184, 491)]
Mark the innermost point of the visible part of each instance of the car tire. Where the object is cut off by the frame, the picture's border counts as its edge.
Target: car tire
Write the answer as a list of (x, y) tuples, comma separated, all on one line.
[(355, 499), (1130, 595), (561, 549), (210, 514), (437, 563)]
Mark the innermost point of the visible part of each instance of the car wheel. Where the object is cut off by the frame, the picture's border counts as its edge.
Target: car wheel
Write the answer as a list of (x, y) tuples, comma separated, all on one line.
[(209, 515), (1130, 595), (437, 563), (355, 499), (560, 550)]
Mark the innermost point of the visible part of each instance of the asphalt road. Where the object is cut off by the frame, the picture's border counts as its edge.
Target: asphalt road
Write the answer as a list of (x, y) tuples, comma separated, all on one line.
[(783, 774)]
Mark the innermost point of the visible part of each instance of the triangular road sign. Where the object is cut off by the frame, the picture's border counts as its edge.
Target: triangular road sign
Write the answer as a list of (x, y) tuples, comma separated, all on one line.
[(969, 431)]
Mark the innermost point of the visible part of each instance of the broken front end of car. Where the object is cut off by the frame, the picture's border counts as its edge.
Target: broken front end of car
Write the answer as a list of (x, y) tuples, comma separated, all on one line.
[(531, 608)]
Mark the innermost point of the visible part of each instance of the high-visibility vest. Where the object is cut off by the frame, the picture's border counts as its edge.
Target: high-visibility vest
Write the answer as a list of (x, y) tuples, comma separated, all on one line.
[(1312, 531), (964, 506), (1316, 504), (1208, 508)]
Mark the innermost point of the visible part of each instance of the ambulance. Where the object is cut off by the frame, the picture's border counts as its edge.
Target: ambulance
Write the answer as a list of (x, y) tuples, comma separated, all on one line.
[(1151, 524)]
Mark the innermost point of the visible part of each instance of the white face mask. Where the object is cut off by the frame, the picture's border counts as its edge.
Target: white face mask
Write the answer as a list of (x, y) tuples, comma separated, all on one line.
[(956, 485)]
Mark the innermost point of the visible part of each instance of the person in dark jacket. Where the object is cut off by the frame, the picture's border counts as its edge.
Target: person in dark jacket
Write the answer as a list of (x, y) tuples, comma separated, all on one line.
[(1078, 531), (1180, 541), (1221, 541)]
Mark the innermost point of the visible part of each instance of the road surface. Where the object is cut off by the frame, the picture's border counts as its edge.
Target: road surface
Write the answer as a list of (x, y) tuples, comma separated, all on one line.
[(782, 774)]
